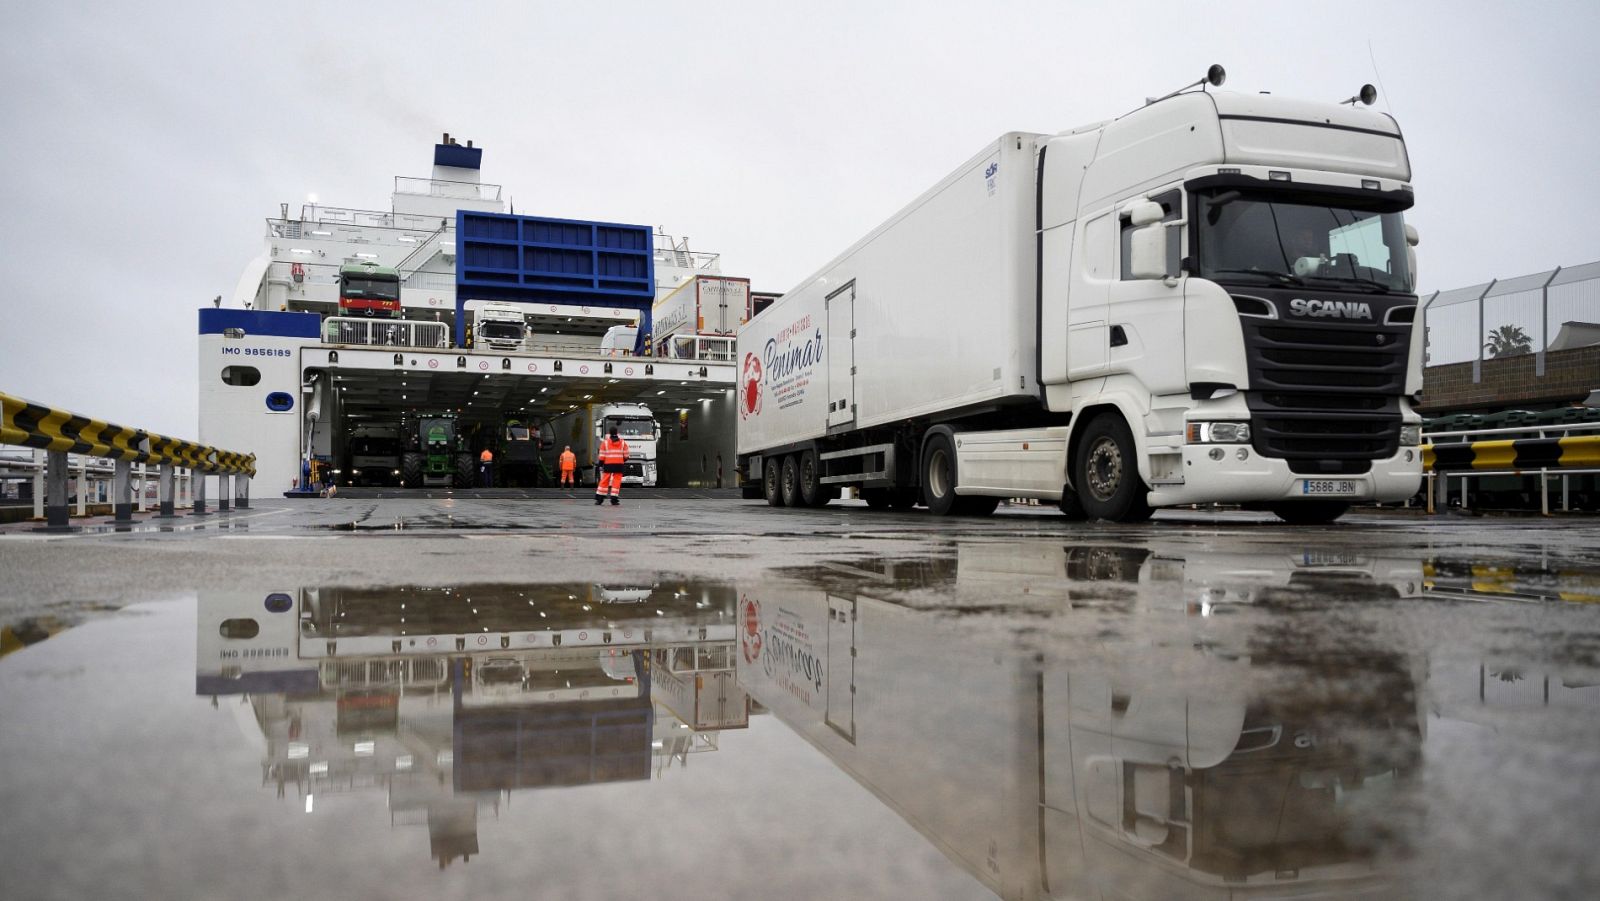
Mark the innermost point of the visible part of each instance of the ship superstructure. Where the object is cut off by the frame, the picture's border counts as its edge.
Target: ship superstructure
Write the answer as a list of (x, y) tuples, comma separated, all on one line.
[(351, 320)]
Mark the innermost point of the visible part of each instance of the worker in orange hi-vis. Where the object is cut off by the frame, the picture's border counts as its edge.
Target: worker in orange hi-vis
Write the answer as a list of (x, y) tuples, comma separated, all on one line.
[(569, 467), (613, 456)]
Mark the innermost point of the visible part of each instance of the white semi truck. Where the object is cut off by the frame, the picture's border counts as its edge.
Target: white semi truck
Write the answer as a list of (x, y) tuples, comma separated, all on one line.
[(1115, 773), (1210, 299), (499, 326)]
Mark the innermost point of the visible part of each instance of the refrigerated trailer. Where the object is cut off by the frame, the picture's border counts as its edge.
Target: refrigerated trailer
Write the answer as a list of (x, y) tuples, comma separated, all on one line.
[(1210, 299)]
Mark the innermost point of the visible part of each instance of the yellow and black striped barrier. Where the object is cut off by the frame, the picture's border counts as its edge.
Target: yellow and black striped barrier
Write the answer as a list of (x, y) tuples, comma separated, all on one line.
[(62, 432), (1518, 455)]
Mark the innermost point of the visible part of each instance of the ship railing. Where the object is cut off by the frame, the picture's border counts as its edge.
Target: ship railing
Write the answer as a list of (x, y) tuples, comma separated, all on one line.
[(57, 435), (672, 251), (385, 332), (711, 348), (318, 218), (436, 187), (430, 281)]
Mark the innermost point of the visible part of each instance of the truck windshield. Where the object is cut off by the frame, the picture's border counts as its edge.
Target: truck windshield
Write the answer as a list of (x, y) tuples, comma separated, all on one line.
[(508, 330), (1261, 240), (371, 288), (632, 428)]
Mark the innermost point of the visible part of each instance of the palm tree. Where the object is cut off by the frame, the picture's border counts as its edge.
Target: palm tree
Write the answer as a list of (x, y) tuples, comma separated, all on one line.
[(1508, 341)]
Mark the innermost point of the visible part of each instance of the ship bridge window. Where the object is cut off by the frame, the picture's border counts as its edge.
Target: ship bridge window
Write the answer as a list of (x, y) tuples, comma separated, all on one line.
[(241, 376)]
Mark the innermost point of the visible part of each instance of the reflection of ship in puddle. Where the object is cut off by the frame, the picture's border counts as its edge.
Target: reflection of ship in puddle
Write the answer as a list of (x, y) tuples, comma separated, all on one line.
[(448, 699), (1132, 773)]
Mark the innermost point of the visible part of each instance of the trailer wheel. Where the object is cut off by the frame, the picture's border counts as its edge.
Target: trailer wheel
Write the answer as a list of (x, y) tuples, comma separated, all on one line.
[(876, 498), (411, 470), (1108, 472), (812, 492), (939, 475), (790, 481), (771, 481), (1310, 513)]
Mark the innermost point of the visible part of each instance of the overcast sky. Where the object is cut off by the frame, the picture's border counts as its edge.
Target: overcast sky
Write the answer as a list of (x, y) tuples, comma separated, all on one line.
[(146, 143)]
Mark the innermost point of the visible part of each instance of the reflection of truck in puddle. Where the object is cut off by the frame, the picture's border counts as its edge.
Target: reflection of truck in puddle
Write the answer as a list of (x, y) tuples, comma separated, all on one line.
[(1152, 777)]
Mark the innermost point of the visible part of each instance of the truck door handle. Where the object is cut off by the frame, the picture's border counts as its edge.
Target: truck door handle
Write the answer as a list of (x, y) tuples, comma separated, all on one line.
[(1119, 338)]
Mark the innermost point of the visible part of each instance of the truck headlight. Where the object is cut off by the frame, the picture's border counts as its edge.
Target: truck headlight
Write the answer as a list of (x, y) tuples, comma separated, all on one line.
[(1410, 435), (1219, 433)]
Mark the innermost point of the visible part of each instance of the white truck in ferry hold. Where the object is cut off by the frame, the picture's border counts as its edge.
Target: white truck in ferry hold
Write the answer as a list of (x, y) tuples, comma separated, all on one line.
[(1210, 299)]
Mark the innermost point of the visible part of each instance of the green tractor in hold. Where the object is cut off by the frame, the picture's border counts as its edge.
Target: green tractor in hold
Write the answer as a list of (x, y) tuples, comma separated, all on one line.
[(436, 454)]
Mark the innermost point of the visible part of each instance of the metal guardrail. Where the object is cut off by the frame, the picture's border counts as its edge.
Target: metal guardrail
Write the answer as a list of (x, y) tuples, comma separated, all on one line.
[(385, 332), (714, 348), (1567, 454), (58, 433)]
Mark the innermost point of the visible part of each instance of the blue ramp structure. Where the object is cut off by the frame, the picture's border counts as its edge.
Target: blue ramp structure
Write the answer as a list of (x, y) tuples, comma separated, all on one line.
[(537, 259)]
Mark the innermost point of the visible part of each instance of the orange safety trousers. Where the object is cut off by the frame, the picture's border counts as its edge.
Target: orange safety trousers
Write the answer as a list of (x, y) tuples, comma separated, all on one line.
[(613, 454)]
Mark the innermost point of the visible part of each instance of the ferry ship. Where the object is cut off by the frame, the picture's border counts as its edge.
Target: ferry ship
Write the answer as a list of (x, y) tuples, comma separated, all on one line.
[(393, 346)]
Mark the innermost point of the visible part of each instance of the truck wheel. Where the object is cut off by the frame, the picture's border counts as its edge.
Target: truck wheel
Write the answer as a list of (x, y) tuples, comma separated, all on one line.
[(411, 470), (1310, 513), (771, 481), (939, 475), (789, 481), (1108, 472), (464, 471), (812, 492), (1071, 506), (876, 498)]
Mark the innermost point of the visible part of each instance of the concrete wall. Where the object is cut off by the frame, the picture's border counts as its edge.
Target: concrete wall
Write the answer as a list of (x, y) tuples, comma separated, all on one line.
[(1569, 375)]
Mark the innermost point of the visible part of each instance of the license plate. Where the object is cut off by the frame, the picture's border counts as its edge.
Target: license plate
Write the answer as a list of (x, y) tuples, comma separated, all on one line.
[(1327, 486)]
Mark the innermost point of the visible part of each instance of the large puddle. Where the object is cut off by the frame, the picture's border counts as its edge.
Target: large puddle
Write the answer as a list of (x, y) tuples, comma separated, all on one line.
[(1021, 719)]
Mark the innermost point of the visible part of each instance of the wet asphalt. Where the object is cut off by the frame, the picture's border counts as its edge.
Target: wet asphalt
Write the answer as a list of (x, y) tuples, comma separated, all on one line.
[(468, 694)]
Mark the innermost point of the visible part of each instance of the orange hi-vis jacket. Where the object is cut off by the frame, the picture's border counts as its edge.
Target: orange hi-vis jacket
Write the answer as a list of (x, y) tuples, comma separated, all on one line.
[(613, 452), (569, 461), (486, 456)]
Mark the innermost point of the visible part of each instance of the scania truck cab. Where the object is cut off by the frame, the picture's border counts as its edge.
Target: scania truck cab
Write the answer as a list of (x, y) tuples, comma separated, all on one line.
[(1210, 299)]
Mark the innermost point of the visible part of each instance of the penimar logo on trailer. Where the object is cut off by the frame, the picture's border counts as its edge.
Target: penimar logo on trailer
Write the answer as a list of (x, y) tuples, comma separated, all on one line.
[(1338, 309), (784, 369), (785, 648), (990, 175), (750, 635), (750, 382)]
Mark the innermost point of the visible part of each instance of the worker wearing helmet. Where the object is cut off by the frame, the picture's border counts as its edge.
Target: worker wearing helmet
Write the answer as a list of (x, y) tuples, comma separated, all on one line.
[(613, 457), (569, 467)]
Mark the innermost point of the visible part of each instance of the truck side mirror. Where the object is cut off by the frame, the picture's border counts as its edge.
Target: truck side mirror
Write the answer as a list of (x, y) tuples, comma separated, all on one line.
[(1412, 240), (1147, 246)]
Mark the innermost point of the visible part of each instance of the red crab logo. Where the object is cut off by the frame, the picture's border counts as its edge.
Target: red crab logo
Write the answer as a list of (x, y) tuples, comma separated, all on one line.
[(750, 379), (750, 637)]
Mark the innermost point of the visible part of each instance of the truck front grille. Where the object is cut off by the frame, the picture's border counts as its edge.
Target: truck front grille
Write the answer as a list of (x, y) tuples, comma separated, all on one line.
[(1325, 396)]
